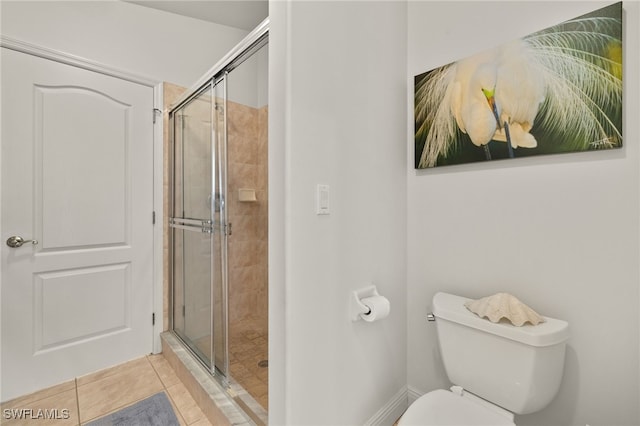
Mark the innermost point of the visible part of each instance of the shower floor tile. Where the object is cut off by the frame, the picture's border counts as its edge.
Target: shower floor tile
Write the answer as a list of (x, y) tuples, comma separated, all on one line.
[(101, 393), (248, 349)]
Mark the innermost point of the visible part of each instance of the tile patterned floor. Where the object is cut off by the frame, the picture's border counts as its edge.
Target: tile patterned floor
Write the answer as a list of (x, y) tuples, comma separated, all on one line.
[(248, 347), (101, 393)]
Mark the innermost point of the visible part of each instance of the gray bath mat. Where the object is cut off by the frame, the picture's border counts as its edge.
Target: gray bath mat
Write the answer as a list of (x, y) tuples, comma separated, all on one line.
[(155, 410)]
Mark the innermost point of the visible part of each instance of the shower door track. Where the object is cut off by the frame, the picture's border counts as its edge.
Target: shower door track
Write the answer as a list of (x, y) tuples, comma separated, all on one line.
[(213, 371)]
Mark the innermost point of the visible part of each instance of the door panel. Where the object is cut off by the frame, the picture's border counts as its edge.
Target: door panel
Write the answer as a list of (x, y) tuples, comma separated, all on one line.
[(192, 300), (102, 289), (199, 226), (192, 151), (86, 203), (77, 176), (191, 246)]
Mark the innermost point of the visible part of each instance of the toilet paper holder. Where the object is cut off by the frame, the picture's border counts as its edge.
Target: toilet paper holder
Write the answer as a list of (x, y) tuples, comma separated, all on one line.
[(356, 307)]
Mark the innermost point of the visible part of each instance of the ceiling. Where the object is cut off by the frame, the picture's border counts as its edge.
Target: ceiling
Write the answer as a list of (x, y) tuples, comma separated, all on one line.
[(244, 14)]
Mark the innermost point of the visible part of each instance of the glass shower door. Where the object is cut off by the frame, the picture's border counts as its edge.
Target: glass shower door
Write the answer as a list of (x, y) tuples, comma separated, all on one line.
[(198, 228)]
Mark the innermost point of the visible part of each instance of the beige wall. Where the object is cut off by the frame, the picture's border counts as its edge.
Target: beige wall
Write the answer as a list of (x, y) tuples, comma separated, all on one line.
[(122, 35), (533, 226), (338, 113)]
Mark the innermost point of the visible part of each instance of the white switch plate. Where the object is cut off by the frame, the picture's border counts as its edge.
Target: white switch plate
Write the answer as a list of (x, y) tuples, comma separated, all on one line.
[(322, 199)]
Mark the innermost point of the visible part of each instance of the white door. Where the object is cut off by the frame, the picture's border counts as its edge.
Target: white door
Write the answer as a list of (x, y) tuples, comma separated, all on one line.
[(77, 176)]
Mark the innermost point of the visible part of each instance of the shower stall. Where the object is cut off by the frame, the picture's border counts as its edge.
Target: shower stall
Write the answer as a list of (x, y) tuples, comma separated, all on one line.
[(218, 219)]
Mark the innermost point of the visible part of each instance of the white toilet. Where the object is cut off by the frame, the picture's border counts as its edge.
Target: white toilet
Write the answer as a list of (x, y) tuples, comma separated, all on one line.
[(497, 369)]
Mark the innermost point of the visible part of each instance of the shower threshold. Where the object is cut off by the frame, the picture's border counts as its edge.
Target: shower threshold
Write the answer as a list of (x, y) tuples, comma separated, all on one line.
[(223, 405)]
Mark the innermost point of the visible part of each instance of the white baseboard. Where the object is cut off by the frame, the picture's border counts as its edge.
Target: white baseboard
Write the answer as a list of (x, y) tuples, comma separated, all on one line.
[(413, 394), (391, 411)]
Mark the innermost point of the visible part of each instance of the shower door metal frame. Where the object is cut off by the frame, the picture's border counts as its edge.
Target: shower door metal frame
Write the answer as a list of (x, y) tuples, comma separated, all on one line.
[(218, 160), (182, 223), (216, 75)]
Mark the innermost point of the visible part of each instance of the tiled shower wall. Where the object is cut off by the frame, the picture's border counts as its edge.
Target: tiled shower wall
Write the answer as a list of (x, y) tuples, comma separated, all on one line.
[(247, 245)]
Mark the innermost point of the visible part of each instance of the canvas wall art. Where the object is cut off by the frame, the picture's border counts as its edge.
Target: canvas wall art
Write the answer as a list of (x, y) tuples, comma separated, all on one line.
[(554, 91)]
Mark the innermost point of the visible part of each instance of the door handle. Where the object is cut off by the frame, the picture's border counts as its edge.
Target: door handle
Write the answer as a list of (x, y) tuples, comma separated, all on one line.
[(15, 242)]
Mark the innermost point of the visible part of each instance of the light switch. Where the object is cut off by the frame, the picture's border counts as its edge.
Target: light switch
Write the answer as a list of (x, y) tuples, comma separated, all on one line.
[(322, 199)]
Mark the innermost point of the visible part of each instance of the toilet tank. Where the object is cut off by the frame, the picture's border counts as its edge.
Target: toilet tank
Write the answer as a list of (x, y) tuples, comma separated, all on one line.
[(517, 368)]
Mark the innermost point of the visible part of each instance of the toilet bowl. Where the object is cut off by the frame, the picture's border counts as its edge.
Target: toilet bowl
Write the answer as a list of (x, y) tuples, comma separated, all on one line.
[(454, 408), (497, 369)]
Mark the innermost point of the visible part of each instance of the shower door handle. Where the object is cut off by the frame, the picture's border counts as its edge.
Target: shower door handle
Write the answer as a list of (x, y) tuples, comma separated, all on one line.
[(205, 226), (17, 241)]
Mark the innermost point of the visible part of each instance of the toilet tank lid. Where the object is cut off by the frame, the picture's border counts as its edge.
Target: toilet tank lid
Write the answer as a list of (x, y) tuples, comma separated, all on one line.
[(451, 307)]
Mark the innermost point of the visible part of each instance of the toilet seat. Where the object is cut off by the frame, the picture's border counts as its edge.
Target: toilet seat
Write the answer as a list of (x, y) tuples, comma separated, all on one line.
[(455, 408)]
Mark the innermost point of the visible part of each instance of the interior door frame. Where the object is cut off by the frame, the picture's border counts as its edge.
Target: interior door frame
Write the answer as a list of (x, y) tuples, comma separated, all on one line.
[(156, 115)]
